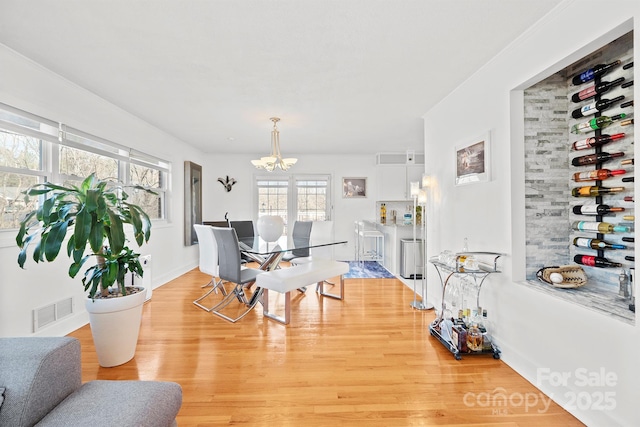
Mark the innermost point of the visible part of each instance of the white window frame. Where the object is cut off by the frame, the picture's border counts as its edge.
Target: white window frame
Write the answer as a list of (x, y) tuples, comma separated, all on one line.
[(54, 134), (292, 194)]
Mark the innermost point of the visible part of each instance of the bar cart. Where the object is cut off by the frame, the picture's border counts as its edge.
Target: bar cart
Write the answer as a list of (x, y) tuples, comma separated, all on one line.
[(476, 267)]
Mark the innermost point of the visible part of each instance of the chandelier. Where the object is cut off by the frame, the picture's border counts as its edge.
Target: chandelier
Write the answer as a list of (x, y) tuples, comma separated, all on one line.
[(274, 160)]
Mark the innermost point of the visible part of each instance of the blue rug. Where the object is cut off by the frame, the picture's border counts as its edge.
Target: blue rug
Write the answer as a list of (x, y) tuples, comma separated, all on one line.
[(367, 270)]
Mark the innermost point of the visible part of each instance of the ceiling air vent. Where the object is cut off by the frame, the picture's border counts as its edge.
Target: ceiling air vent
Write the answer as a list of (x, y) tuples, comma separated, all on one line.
[(404, 158)]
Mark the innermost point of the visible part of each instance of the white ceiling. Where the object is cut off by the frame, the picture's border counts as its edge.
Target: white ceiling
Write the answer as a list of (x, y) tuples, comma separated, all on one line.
[(345, 76)]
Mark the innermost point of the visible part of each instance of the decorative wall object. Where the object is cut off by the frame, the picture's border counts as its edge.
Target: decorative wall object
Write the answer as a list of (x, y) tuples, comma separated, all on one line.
[(227, 183), (472, 160), (353, 188), (192, 201)]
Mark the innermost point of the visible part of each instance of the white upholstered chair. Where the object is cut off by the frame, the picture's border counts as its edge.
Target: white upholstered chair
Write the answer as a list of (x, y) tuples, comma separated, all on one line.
[(208, 263)]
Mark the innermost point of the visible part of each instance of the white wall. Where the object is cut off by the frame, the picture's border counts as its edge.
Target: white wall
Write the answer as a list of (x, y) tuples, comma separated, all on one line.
[(239, 201), (533, 330), (28, 86)]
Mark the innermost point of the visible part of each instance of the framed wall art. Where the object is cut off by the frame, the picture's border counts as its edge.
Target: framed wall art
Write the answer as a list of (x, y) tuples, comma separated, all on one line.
[(192, 201), (473, 160), (353, 188)]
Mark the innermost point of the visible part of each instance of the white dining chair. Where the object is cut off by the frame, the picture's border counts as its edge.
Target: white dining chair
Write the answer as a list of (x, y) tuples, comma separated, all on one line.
[(208, 262)]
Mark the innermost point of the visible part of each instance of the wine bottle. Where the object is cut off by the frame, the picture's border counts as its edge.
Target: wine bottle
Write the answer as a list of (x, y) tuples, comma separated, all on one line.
[(628, 179), (595, 261), (627, 162), (629, 239), (630, 258), (629, 217), (592, 73), (627, 66), (626, 104), (583, 242), (595, 209), (626, 122), (594, 191), (598, 174), (596, 141), (592, 159), (596, 123), (630, 225), (594, 107), (596, 89), (599, 227), (628, 198), (627, 84)]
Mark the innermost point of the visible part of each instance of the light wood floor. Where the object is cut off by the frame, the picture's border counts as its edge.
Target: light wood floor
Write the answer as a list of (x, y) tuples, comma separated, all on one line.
[(368, 360)]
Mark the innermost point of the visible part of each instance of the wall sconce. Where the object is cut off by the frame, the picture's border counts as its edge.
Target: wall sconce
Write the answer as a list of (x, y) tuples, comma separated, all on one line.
[(426, 181)]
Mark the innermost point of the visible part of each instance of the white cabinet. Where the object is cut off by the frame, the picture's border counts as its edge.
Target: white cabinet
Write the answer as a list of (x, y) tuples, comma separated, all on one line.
[(394, 181)]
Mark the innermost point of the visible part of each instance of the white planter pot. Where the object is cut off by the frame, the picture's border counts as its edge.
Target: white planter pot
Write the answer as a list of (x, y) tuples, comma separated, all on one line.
[(270, 227), (115, 325)]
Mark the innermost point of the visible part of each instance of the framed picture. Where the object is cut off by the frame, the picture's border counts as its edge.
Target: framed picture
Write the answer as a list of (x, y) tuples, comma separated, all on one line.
[(353, 188), (472, 160), (192, 201)]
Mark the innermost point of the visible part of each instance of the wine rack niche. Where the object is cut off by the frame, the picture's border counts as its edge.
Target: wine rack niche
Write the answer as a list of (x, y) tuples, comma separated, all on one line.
[(620, 77), (550, 158)]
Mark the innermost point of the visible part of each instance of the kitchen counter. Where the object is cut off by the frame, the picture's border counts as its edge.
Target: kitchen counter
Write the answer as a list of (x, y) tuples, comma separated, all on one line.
[(393, 234)]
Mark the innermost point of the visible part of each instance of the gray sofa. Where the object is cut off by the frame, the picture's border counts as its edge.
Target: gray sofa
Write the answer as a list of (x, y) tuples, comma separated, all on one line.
[(41, 384)]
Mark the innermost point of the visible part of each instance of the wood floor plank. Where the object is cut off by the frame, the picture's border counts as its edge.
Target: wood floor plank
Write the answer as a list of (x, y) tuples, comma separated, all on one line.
[(368, 360)]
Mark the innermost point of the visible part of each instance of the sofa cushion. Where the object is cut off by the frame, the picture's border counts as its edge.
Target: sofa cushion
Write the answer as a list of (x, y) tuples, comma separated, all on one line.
[(118, 403), (37, 374)]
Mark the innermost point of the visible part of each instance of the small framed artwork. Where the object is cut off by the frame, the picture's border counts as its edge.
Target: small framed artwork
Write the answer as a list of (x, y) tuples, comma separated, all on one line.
[(353, 188), (473, 160)]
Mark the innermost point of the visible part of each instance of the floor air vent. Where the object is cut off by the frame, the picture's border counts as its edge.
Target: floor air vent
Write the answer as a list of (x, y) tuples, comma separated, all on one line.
[(45, 316)]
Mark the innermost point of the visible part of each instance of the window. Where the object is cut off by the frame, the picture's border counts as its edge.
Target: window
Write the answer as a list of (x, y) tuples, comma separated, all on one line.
[(273, 197), (34, 149), (312, 202), (295, 197)]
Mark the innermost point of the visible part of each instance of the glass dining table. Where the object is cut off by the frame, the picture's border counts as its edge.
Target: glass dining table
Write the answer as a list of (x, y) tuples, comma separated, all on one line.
[(269, 255)]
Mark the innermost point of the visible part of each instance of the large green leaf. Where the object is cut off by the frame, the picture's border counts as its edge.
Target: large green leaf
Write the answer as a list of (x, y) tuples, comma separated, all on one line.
[(38, 255), (54, 240), (49, 186), (87, 183), (64, 208), (92, 200), (47, 206), (96, 236), (101, 210), (83, 228), (136, 223), (116, 232), (22, 257), (76, 266), (36, 192), (145, 220), (110, 275), (91, 280)]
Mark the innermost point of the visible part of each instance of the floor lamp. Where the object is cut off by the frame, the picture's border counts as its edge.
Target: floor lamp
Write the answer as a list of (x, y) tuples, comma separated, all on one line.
[(422, 199), (415, 191)]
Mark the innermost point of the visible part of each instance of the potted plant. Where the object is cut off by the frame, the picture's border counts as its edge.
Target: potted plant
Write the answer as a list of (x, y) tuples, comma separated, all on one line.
[(93, 216)]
